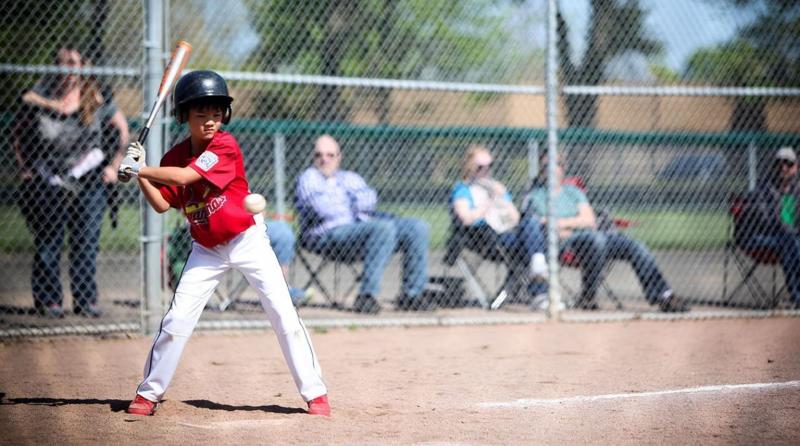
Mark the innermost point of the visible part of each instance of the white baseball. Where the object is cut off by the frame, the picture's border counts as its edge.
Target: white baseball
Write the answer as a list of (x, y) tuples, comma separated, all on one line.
[(255, 203)]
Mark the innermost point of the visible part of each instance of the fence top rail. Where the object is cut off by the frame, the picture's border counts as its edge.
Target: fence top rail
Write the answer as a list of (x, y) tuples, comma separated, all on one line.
[(412, 84)]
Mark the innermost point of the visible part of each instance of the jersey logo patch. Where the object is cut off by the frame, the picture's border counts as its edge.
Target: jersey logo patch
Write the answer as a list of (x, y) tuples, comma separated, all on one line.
[(207, 160)]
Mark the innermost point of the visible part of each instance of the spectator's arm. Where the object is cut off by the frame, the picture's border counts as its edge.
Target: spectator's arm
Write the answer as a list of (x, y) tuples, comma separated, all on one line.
[(31, 97), (467, 215), (364, 198), (584, 220), (16, 142), (119, 122)]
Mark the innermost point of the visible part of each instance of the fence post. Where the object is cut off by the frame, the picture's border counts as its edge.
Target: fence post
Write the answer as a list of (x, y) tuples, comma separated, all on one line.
[(152, 237), (551, 85), (533, 159), (279, 147), (752, 166)]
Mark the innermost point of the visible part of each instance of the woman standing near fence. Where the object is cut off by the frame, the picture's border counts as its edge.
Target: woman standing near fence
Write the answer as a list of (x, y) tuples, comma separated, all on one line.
[(58, 142)]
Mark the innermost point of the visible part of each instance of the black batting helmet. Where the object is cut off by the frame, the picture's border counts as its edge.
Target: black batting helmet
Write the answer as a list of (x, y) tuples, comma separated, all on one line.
[(201, 85)]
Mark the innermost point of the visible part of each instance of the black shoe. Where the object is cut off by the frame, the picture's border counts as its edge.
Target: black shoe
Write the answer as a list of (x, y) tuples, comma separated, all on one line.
[(90, 310), (419, 303), (587, 304), (366, 304), (673, 304)]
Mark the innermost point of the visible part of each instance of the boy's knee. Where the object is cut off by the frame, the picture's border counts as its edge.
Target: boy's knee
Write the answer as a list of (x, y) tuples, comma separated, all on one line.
[(178, 324)]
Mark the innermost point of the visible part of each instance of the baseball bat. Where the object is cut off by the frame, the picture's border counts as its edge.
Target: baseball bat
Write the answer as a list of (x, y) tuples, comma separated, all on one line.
[(176, 64)]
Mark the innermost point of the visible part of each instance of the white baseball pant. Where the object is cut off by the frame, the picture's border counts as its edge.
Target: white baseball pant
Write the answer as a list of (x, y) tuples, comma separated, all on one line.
[(251, 254)]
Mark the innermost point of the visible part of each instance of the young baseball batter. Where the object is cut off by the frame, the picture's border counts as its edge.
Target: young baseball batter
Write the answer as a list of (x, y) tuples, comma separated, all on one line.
[(204, 177)]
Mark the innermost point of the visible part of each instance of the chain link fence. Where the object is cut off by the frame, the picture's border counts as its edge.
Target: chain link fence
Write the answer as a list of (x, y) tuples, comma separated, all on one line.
[(666, 113)]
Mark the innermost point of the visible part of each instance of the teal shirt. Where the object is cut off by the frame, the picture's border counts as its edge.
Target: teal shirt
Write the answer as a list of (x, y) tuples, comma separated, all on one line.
[(461, 190), (566, 202)]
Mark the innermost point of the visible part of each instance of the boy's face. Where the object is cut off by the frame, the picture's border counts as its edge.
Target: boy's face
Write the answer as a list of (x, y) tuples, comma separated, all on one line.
[(204, 121)]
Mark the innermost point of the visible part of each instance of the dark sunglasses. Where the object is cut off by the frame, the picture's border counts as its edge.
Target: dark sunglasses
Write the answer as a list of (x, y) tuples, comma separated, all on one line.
[(482, 167), (786, 163), (318, 155)]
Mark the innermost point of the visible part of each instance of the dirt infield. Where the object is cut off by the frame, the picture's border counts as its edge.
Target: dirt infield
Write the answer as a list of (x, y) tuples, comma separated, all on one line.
[(636, 382)]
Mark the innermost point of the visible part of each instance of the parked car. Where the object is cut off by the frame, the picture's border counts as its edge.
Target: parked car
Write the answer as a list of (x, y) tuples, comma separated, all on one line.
[(695, 167)]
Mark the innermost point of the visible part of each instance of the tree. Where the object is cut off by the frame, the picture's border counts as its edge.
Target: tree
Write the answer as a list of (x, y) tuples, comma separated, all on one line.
[(616, 27), (401, 39), (765, 53)]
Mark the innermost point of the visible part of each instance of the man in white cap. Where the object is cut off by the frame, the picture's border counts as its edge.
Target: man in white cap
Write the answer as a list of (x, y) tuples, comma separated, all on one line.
[(772, 218)]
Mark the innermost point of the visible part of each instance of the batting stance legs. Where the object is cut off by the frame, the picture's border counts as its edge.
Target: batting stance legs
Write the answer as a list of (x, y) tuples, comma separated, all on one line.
[(250, 254)]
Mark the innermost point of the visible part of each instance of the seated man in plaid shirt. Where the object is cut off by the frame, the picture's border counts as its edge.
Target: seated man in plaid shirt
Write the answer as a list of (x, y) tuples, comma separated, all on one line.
[(338, 219)]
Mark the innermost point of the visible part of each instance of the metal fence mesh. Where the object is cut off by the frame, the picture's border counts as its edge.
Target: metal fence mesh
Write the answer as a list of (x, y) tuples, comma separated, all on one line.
[(666, 112)]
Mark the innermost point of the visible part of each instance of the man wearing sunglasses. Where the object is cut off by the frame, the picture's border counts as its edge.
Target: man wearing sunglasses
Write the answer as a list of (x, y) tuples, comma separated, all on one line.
[(339, 219), (771, 218)]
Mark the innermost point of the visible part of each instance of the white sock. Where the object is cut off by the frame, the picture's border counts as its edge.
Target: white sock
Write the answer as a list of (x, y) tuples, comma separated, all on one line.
[(538, 265)]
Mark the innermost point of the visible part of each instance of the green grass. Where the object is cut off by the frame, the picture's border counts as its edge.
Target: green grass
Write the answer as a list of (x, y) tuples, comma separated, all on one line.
[(15, 238), (690, 230)]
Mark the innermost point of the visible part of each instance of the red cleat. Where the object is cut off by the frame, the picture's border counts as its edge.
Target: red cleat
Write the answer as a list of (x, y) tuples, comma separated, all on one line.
[(319, 406), (142, 406)]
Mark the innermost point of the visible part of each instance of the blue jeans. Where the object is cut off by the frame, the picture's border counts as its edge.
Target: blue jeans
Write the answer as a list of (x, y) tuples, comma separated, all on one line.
[(594, 249), (787, 247), (281, 237), (374, 242), (50, 212), (521, 244)]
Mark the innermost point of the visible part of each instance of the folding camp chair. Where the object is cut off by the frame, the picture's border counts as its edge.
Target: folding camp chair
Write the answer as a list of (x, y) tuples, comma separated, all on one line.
[(748, 261), (317, 262), (484, 245)]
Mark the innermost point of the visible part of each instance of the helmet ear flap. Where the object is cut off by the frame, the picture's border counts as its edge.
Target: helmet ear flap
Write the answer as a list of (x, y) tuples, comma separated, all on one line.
[(226, 116)]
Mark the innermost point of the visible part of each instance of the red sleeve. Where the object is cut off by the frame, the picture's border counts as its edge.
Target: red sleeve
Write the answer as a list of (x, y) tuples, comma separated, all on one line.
[(218, 163)]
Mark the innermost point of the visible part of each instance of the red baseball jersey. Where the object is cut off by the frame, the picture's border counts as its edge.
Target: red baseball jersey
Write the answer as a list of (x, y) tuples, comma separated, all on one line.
[(214, 205)]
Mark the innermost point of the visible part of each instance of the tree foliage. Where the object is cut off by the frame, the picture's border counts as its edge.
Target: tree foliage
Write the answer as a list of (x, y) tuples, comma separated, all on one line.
[(616, 27), (765, 53), (403, 39)]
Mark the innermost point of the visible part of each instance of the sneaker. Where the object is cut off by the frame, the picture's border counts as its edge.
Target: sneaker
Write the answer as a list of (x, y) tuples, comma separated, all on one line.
[(319, 406), (419, 303), (300, 296), (90, 310), (142, 406), (54, 311), (587, 304), (366, 303), (539, 266), (540, 302), (671, 303)]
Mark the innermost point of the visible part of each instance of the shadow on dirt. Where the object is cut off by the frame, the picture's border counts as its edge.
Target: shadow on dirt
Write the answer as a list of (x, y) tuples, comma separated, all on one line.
[(205, 404), (115, 405)]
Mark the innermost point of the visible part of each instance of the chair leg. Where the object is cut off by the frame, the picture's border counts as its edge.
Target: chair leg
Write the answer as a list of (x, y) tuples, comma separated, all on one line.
[(313, 278), (472, 282)]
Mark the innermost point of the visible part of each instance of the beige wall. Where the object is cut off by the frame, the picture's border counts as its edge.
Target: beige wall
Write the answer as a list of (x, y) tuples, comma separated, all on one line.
[(671, 113)]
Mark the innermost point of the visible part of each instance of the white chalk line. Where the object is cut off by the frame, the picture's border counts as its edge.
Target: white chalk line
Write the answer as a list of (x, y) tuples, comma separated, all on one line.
[(620, 396)]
